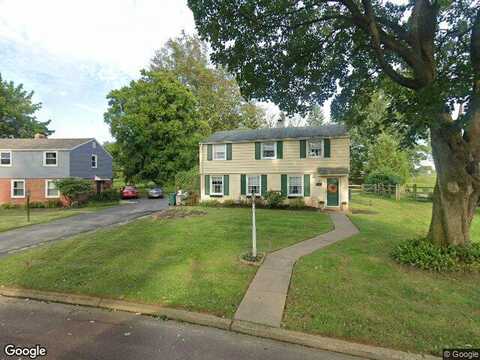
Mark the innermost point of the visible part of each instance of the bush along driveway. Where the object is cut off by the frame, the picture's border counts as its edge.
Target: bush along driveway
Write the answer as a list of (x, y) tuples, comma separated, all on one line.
[(354, 290), (181, 260), (69, 225)]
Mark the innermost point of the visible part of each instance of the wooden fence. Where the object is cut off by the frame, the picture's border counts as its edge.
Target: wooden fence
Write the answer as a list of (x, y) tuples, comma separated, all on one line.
[(414, 192)]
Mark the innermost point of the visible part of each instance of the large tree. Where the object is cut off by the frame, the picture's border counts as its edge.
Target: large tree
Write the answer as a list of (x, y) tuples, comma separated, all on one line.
[(156, 127), (296, 53), (17, 112), (220, 102)]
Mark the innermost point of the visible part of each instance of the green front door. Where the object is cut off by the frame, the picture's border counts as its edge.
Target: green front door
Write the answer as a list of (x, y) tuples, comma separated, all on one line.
[(332, 192)]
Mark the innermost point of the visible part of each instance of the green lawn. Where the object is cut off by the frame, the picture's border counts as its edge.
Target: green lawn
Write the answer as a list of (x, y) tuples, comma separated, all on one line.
[(423, 180), (190, 262), (15, 218), (353, 290)]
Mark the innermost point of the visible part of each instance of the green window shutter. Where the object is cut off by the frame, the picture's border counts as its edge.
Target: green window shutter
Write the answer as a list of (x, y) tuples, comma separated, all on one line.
[(264, 185), (226, 185), (243, 184), (303, 149), (279, 149), (207, 184), (229, 151), (209, 152), (326, 148), (306, 185), (258, 149), (284, 185)]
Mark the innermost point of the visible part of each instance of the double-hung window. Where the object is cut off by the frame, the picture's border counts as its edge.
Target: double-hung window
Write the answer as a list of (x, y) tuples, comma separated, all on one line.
[(94, 161), (51, 190), (254, 185), (50, 158), (269, 150), (216, 184), (220, 152), (315, 148), (295, 185), (18, 188), (5, 158)]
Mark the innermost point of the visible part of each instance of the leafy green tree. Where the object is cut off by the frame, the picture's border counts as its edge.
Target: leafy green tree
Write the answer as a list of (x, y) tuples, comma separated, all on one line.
[(219, 99), (298, 53), (315, 116), (156, 127), (74, 189), (17, 112), (385, 157)]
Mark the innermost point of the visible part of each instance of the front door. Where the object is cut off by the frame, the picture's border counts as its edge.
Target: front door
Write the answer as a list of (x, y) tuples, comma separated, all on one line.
[(332, 192)]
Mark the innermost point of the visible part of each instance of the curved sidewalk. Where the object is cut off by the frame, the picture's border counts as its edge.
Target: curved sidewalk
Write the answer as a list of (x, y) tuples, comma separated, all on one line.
[(265, 298)]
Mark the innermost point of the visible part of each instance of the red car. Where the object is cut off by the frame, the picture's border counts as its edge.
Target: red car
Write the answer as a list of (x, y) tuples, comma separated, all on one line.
[(129, 192)]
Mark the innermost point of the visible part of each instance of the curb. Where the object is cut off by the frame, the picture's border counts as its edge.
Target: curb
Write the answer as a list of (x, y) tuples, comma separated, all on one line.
[(242, 327)]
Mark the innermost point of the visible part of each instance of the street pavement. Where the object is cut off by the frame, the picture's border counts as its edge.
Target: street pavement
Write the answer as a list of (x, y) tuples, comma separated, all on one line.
[(74, 332)]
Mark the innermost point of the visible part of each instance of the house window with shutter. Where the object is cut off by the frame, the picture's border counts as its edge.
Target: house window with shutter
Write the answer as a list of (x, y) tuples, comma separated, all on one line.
[(269, 150), (216, 185), (220, 152), (295, 185), (315, 148), (254, 185)]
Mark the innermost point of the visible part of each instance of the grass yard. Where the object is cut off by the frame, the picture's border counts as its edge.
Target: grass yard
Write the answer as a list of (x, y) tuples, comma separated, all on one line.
[(353, 290), (15, 218), (423, 180), (190, 262)]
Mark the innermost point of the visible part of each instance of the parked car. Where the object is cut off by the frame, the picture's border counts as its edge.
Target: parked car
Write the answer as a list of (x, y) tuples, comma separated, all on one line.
[(155, 193), (129, 192)]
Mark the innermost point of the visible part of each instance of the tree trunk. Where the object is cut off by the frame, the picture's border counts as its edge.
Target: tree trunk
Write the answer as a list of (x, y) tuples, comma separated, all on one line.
[(456, 193)]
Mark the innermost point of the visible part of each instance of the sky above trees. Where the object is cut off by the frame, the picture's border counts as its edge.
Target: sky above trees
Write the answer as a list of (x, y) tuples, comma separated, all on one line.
[(73, 53)]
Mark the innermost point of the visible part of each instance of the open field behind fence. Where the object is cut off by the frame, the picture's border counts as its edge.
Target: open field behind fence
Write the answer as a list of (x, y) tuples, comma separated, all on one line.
[(411, 191)]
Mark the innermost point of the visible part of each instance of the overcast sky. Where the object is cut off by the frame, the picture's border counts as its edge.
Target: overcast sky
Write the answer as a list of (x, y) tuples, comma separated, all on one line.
[(72, 53)]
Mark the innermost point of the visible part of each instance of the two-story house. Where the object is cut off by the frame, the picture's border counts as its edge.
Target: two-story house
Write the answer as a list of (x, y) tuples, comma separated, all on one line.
[(32, 166), (306, 162)]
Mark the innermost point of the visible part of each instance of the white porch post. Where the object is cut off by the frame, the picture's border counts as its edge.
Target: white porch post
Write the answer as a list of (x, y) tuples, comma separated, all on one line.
[(254, 230)]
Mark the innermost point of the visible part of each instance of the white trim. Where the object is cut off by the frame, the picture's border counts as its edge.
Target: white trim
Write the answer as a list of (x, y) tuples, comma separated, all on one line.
[(288, 185), (96, 161), (322, 149), (274, 150), (11, 157), (45, 158), (46, 190), (259, 184), (24, 188), (224, 152), (211, 185)]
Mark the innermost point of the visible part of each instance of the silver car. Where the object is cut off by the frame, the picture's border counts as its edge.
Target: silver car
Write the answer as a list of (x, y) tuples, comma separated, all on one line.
[(155, 193)]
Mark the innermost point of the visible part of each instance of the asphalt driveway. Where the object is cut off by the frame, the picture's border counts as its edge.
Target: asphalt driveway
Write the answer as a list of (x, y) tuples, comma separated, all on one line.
[(64, 228)]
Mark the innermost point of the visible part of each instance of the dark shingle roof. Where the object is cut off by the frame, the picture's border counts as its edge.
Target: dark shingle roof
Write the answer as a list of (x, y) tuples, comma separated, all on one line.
[(329, 130), (41, 144)]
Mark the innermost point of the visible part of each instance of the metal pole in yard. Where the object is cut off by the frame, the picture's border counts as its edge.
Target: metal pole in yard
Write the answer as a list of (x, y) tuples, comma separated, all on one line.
[(254, 229), (28, 206)]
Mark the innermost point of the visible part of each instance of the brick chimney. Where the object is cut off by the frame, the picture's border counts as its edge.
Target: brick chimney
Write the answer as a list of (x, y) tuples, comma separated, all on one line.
[(40, 136)]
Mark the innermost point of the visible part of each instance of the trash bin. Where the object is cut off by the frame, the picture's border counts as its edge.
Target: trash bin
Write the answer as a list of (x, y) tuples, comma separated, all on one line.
[(172, 198)]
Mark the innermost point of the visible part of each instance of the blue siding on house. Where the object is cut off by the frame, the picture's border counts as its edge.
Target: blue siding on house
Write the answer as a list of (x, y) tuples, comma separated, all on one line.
[(29, 165), (80, 162)]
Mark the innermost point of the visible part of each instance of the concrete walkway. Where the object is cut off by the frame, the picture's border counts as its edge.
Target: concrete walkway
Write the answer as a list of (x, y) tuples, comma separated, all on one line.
[(28, 236), (264, 301)]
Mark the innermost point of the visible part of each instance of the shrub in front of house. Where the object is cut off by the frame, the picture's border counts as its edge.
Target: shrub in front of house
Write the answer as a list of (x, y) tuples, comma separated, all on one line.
[(425, 255), (10, 206), (297, 204), (75, 190), (274, 199), (36, 205), (109, 195), (211, 203)]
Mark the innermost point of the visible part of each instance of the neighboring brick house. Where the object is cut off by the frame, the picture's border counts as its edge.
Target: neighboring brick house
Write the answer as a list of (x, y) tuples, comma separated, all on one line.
[(32, 165), (312, 163)]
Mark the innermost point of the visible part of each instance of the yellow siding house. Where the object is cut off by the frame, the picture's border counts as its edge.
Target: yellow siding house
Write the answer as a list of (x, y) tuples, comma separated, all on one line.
[(305, 162)]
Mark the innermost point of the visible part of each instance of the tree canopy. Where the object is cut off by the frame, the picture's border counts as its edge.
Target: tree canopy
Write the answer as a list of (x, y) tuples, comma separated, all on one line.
[(17, 112), (156, 126), (220, 102), (425, 52)]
